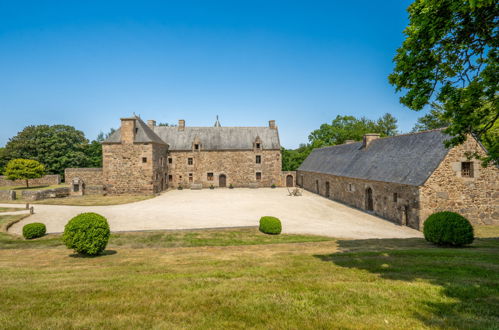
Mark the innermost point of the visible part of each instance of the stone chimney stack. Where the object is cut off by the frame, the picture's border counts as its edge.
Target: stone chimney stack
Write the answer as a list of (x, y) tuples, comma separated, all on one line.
[(368, 138), (349, 141), (127, 130), (151, 124), (272, 124), (181, 124)]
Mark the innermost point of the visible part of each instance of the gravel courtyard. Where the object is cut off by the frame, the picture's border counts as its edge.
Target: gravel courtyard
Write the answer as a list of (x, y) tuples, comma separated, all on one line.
[(192, 209)]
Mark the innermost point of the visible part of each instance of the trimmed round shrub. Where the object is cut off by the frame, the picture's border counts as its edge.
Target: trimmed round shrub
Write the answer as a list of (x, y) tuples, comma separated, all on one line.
[(270, 225), (34, 230), (87, 233), (448, 228)]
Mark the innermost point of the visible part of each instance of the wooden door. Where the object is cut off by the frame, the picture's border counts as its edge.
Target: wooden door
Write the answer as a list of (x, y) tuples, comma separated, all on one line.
[(289, 181), (222, 181)]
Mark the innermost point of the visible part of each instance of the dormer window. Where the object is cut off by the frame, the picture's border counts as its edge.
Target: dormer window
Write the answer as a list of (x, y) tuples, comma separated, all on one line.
[(258, 145), (196, 146)]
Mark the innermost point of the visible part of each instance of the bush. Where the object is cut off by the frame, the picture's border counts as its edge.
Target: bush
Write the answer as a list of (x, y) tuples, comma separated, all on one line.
[(448, 228), (34, 230), (273, 186), (231, 186), (270, 225), (87, 233)]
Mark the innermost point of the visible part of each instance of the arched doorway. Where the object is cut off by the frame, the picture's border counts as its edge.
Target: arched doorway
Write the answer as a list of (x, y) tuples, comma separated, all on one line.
[(222, 181), (289, 181), (369, 199), (327, 189)]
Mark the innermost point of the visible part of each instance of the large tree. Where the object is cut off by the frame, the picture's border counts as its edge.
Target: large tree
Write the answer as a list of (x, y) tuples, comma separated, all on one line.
[(344, 128), (432, 120), (57, 147), (450, 56)]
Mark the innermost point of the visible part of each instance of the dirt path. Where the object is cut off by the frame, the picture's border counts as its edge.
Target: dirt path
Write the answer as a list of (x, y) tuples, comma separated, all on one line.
[(188, 209)]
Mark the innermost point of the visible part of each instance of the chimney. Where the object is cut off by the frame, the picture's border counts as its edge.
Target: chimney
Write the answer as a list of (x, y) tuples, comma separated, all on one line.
[(368, 138), (181, 124), (349, 141), (128, 130), (151, 124), (272, 124)]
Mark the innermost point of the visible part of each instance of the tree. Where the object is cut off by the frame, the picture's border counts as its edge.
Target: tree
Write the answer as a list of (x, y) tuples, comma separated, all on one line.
[(3, 161), (450, 56), (432, 120), (24, 169), (57, 147), (344, 128), (292, 159)]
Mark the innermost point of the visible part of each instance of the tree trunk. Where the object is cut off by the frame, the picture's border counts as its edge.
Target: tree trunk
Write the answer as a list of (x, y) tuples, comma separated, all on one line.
[(27, 184)]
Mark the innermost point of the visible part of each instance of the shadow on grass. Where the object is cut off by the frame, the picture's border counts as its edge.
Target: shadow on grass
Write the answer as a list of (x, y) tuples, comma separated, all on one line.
[(470, 276), (103, 254)]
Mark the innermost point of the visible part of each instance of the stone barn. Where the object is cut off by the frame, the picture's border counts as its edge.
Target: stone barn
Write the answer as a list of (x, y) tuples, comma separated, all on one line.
[(405, 178)]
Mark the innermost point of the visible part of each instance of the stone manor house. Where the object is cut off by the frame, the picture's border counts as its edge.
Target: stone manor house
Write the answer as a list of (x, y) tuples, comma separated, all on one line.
[(403, 178), (145, 158)]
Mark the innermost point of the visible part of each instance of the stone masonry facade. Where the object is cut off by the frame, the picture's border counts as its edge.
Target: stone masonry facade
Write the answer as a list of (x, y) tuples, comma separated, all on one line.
[(475, 196)]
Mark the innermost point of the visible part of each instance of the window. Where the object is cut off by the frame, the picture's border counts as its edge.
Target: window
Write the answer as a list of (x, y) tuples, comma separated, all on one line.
[(170, 178), (189, 161), (144, 159), (170, 160), (258, 159), (196, 146), (395, 197), (258, 145), (210, 176), (258, 176), (467, 169), (76, 187), (351, 187), (190, 177)]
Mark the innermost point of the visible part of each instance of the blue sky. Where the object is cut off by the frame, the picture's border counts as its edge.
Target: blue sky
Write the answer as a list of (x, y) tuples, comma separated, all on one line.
[(88, 63)]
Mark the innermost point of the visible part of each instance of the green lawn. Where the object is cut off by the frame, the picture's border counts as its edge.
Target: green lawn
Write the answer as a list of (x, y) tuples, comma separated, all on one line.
[(11, 209), (87, 200), (20, 188), (243, 279)]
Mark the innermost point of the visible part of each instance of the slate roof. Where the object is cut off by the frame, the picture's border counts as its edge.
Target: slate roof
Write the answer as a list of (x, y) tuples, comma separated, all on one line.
[(219, 138), (211, 138), (143, 135), (406, 159)]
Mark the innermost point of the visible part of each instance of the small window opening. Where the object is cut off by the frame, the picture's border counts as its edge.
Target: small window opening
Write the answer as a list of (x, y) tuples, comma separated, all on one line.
[(196, 146), (210, 176), (467, 169), (144, 159), (170, 177), (136, 130), (258, 145), (190, 177), (189, 161), (395, 197), (76, 187), (258, 159), (258, 176), (170, 160), (350, 187)]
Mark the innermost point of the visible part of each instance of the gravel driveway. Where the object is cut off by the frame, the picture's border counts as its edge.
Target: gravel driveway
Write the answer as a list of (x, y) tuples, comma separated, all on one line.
[(190, 209)]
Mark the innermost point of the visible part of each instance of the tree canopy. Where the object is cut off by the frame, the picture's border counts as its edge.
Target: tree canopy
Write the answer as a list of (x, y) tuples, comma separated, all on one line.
[(57, 147), (450, 56), (24, 169)]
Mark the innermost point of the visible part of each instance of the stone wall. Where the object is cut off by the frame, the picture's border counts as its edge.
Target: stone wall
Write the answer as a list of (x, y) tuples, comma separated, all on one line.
[(239, 167), (34, 195), (476, 198), (402, 208), (47, 180), (7, 195), (89, 176), (124, 170)]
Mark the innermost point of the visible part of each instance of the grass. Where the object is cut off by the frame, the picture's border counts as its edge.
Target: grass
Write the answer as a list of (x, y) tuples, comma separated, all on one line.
[(11, 209), (33, 187), (240, 279), (87, 200)]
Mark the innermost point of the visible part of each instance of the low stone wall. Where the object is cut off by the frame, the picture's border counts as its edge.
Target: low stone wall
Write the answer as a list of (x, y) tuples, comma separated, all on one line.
[(89, 176), (7, 195), (34, 195), (47, 180)]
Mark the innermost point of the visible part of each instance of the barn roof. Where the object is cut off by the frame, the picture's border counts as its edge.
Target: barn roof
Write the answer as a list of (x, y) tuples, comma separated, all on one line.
[(210, 138), (218, 138), (406, 159)]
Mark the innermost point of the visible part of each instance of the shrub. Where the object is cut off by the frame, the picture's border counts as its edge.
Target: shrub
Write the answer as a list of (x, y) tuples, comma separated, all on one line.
[(87, 233), (180, 187), (448, 228), (212, 187), (273, 186), (231, 186), (34, 230), (270, 225)]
